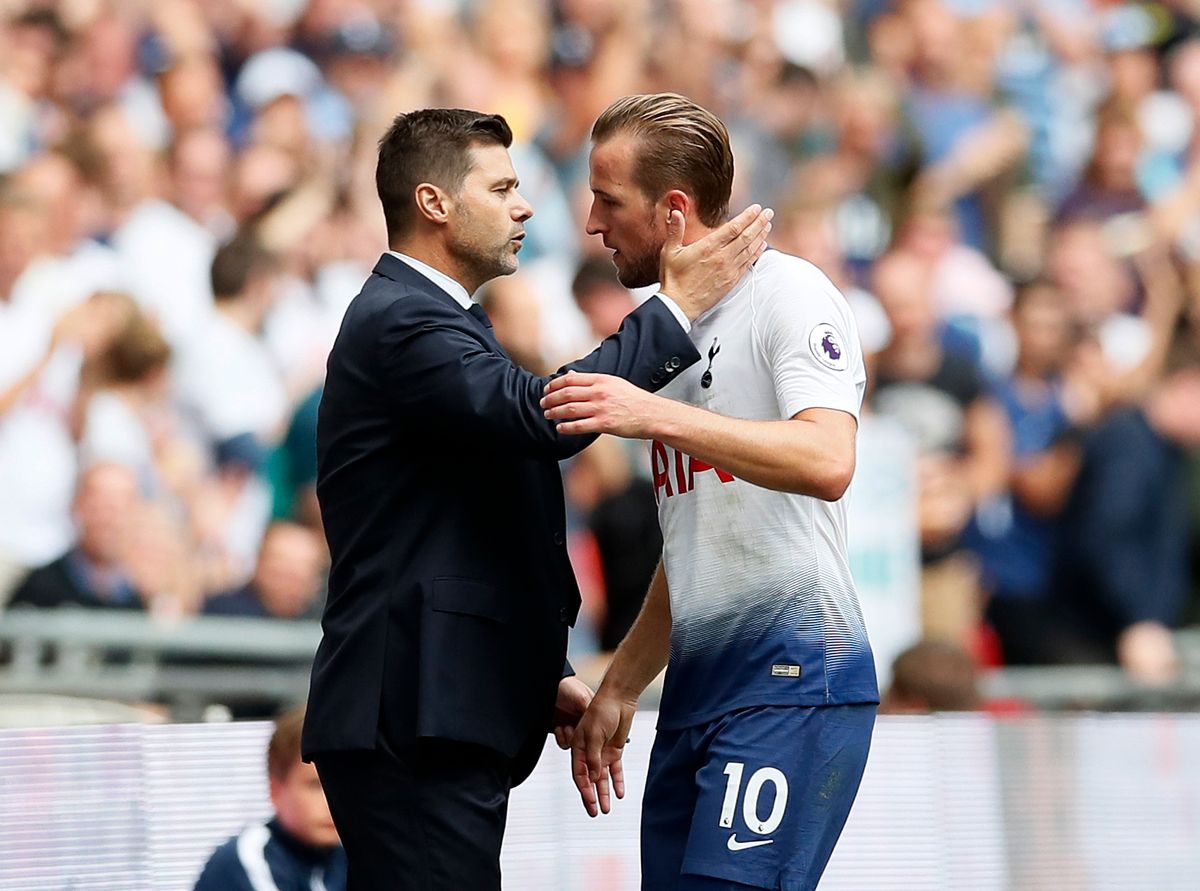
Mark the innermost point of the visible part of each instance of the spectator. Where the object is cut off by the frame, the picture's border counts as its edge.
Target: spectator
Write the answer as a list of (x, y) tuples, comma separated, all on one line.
[(1018, 537), (294, 467), (1124, 564), (40, 357), (1109, 188), (225, 374), (287, 579), (962, 439), (94, 572), (298, 848), (932, 676), (513, 309), (131, 399), (164, 251), (601, 297)]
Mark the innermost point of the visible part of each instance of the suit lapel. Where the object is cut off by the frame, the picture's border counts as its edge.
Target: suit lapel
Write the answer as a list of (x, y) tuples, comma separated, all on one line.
[(399, 271)]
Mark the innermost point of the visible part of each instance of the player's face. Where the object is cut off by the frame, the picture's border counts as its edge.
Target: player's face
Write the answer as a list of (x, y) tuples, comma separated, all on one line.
[(633, 227), (488, 225), (301, 808)]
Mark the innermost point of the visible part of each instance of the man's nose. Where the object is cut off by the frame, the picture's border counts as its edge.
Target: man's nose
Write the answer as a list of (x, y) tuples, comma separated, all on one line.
[(523, 209), (593, 226)]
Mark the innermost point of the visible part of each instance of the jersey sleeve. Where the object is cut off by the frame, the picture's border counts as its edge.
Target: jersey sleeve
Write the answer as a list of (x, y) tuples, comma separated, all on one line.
[(808, 337)]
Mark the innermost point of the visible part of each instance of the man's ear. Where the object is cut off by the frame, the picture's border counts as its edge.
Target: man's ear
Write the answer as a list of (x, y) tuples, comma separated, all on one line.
[(433, 203), (677, 199)]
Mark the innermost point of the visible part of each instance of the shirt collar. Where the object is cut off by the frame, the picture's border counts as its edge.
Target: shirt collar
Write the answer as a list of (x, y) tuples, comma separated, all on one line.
[(439, 278)]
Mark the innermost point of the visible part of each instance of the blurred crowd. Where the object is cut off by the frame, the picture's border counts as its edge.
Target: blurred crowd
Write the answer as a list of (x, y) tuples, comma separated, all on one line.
[(1007, 191)]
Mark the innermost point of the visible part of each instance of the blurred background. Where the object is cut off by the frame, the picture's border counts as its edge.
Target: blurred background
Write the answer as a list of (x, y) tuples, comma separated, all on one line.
[(1008, 194), (1007, 191)]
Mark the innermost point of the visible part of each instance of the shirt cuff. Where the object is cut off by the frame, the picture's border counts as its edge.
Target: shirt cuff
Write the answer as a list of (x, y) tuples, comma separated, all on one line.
[(680, 316)]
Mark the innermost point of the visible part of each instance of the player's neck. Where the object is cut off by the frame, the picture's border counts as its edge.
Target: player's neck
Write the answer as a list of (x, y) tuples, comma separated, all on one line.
[(695, 231)]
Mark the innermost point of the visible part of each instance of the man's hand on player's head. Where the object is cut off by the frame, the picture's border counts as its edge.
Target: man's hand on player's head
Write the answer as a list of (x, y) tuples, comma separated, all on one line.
[(574, 696), (596, 750), (600, 403), (697, 275)]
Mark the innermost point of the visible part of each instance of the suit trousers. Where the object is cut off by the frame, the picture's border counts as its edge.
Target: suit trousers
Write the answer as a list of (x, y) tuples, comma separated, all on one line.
[(426, 816)]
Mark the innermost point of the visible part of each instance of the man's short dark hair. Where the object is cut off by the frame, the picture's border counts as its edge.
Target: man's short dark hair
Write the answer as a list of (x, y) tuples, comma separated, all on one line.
[(593, 274), (236, 262), (430, 145)]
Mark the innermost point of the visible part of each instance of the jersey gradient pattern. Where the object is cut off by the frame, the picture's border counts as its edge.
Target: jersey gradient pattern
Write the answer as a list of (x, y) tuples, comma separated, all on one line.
[(763, 606)]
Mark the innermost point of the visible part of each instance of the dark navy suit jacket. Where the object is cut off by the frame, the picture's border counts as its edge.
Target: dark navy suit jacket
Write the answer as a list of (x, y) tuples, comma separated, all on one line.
[(450, 591)]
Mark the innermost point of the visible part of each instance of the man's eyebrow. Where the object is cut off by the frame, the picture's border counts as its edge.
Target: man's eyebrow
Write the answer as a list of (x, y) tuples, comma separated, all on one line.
[(508, 182), (600, 193)]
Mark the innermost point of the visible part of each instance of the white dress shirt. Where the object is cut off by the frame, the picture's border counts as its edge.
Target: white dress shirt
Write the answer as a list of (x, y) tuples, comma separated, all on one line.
[(463, 299)]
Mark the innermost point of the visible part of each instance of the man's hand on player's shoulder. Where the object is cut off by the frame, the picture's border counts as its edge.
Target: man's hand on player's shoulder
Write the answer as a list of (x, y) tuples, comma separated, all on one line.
[(699, 274), (600, 403), (596, 750)]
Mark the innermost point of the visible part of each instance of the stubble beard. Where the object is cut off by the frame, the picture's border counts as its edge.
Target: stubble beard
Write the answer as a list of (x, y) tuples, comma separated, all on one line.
[(482, 257), (642, 269)]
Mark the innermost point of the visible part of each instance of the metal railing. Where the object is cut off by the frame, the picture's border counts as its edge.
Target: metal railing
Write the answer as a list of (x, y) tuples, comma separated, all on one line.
[(191, 664), (186, 665)]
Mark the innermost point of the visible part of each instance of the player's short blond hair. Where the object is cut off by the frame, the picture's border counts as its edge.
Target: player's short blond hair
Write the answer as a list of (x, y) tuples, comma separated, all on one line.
[(681, 146)]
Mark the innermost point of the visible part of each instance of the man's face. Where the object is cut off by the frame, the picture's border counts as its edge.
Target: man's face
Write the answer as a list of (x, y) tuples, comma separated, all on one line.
[(106, 499), (288, 574), (633, 227), (488, 222), (301, 807)]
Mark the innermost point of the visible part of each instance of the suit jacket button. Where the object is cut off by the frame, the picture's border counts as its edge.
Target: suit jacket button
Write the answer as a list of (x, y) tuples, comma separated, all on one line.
[(656, 378), (558, 538), (562, 614), (674, 363)]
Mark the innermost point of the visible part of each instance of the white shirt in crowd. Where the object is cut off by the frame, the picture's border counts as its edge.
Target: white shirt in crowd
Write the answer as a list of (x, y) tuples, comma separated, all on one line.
[(227, 381), (166, 261)]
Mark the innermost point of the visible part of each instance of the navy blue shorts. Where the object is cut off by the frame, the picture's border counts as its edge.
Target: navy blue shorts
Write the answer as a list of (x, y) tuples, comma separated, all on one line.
[(756, 798)]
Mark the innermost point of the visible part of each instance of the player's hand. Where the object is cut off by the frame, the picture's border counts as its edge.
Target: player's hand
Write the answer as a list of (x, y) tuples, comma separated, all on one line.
[(600, 403), (573, 699), (596, 751), (696, 276)]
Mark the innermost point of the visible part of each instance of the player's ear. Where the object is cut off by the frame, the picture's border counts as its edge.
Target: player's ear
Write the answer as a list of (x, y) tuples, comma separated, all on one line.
[(432, 203), (677, 199)]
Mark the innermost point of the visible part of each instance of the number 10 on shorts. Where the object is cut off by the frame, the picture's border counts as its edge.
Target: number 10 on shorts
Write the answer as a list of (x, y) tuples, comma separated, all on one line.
[(758, 779)]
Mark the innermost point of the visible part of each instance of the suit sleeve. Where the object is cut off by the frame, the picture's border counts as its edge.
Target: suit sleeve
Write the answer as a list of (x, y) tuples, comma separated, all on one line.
[(439, 375)]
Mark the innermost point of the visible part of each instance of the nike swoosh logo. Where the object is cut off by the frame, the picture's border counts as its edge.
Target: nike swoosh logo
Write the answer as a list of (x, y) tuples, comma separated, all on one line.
[(734, 845)]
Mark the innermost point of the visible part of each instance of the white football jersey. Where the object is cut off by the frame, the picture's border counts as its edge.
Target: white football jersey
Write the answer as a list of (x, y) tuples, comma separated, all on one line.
[(763, 605)]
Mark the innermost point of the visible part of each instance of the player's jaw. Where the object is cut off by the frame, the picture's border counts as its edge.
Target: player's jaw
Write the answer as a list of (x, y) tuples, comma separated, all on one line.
[(636, 244), (637, 263)]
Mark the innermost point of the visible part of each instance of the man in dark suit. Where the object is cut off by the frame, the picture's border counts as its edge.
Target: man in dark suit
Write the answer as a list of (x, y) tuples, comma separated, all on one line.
[(442, 666)]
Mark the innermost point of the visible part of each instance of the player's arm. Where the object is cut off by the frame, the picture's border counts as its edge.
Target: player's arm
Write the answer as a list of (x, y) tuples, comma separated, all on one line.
[(811, 453), (604, 729)]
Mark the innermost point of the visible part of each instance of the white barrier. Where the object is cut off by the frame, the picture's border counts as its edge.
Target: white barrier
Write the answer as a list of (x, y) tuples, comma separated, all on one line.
[(962, 803)]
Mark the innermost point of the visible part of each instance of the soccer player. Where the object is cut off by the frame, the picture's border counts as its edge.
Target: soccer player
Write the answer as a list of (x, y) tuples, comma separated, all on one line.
[(770, 693)]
